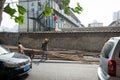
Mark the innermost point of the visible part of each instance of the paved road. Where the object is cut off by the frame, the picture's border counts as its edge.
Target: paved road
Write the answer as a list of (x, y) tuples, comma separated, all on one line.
[(60, 70)]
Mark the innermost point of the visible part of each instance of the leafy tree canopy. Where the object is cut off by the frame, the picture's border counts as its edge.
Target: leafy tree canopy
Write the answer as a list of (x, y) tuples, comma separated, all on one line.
[(63, 5)]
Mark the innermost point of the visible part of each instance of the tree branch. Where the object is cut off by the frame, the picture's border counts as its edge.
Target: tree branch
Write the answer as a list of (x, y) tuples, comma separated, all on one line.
[(1, 9)]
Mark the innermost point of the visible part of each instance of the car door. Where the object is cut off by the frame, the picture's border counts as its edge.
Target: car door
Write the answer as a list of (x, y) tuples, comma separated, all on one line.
[(117, 59)]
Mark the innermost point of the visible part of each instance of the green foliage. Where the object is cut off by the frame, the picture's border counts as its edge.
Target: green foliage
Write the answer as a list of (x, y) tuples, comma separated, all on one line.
[(77, 9), (64, 4), (21, 9), (47, 10), (19, 19), (67, 11), (9, 10)]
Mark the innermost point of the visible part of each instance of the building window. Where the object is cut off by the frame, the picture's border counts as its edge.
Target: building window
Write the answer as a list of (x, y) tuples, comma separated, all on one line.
[(32, 4), (32, 9)]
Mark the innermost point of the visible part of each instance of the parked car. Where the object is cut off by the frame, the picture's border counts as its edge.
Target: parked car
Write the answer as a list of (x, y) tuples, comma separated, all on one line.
[(109, 68), (13, 64)]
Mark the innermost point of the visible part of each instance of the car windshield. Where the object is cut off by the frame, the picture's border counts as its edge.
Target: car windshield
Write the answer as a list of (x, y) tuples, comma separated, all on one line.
[(3, 50)]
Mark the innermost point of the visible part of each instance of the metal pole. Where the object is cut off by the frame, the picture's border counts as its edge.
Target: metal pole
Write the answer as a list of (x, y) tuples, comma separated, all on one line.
[(27, 15)]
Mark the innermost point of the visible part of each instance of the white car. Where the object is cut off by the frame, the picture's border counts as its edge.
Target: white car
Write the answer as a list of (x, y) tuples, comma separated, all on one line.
[(13, 64), (109, 68)]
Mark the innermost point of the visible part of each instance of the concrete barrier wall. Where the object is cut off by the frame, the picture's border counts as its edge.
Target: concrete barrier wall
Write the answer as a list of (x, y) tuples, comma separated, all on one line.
[(9, 38), (88, 41)]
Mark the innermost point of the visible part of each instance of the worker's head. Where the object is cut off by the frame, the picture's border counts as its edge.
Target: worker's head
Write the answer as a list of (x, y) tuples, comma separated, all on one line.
[(19, 42), (46, 40)]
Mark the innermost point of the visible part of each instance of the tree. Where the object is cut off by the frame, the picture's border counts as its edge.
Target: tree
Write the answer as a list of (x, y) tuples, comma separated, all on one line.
[(63, 4), (1, 8)]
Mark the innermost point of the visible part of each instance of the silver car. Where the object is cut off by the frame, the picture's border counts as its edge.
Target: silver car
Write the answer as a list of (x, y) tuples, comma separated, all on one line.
[(109, 68), (13, 64)]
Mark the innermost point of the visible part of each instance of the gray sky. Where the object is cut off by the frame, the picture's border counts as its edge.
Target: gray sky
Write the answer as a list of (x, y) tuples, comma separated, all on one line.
[(100, 10)]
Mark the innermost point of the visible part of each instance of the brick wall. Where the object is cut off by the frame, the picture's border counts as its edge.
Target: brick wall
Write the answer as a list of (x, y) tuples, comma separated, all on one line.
[(89, 41)]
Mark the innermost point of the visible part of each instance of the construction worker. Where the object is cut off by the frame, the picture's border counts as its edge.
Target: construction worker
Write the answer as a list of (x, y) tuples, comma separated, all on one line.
[(44, 47), (21, 48)]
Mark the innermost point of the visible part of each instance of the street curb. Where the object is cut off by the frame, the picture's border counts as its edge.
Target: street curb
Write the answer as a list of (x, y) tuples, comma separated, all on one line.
[(63, 61)]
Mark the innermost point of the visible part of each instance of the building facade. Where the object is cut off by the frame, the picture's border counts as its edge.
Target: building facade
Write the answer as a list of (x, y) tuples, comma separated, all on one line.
[(95, 24), (35, 21), (116, 15), (116, 19)]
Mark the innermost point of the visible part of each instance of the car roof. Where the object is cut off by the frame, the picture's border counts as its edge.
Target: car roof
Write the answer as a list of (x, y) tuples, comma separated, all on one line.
[(115, 38)]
